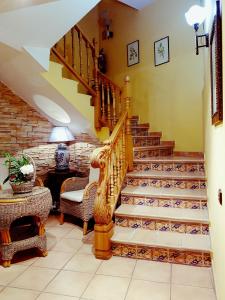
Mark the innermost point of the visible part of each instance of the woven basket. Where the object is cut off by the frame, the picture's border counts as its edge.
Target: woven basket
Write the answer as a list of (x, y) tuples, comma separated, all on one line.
[(25, 187)]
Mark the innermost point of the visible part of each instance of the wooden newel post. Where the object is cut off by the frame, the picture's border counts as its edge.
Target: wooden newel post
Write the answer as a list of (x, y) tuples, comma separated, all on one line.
[(129, 140), (97, 100)]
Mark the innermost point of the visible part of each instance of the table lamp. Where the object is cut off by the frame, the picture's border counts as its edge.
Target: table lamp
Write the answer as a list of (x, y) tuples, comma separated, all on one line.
[(61, 134)]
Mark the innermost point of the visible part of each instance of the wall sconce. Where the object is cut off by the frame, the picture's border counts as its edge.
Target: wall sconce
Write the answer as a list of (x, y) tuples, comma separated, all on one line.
[(195, 16), (61, 134)]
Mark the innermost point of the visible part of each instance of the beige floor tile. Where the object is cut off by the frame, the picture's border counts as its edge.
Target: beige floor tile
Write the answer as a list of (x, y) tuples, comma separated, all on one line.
[(83, 263), (194, 276), (86, 249), (76, 233), (54, 221), (146, 290), (69, 283), (26, 261), (34, 278), (10, 293), (68, 245), (58, 231), (54, 260), (117, 266), (48, 296), (9, 274), (179, 292), (107, 288), (51, 240), (152, 271)]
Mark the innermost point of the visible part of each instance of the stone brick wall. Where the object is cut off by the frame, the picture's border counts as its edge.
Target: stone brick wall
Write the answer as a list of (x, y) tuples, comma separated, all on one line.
[(21, 126), (22, 129)]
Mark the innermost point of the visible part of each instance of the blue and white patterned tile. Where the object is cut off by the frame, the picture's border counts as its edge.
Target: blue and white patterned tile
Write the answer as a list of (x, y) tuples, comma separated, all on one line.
[(162, 226), (178, 227), (193, 204), (194, 259), (165, 203), (179, 184), (121, 222), (179, 167), (148, 224), (178, 203), (205, 229), (135, 223), (144, 253), (128, 251), (152, 202), (139, 201), (160, 254), (193, 228)]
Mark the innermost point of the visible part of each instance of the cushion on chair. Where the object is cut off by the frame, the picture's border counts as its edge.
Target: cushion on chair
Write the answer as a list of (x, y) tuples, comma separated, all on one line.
[(76, 196), (94, 174)]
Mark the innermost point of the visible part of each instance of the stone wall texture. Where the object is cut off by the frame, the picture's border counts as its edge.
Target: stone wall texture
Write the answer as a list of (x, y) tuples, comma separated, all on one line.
[(23, 129), (21, 126)]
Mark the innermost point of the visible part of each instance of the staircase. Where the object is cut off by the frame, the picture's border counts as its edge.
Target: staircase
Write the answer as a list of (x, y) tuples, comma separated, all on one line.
[(163, 214)]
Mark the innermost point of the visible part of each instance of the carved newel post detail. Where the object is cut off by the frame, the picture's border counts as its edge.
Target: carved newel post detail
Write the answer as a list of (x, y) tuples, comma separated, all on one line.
[(129, 140), (113, 160)]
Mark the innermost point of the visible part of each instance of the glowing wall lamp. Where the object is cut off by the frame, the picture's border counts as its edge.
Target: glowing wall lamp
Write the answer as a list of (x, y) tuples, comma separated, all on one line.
[(195, 16)]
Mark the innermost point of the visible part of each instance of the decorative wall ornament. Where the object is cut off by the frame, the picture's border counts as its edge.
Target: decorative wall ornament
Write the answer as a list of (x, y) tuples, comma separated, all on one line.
[(216, 68), (133, 53), (161, 51)]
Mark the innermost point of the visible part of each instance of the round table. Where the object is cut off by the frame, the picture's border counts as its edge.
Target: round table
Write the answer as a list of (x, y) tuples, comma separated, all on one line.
[(14, 206)]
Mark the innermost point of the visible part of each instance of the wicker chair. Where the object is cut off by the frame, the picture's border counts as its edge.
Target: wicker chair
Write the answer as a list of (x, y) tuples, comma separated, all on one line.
[(77, 197)]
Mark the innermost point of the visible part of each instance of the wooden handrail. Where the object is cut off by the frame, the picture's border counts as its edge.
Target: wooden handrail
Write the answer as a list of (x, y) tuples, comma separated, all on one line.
[(73, 72), (108, 80), (113, 160), (91, 45)]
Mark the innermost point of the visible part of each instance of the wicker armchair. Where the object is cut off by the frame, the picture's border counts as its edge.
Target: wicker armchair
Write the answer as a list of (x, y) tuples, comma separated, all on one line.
[(77, 197)]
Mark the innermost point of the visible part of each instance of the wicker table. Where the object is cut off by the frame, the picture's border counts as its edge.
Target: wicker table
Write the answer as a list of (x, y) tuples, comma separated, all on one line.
[(14, 206)]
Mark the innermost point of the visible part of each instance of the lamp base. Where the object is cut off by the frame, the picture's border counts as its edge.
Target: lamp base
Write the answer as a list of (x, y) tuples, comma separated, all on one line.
[(62, 158)]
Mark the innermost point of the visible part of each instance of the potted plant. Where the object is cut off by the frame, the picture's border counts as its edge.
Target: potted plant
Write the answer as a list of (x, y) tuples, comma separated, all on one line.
[(21, 172)]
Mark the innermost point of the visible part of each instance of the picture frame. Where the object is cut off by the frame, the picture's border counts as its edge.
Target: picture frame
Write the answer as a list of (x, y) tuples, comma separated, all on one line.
[(133, 53), (216, 68), (161, 51)]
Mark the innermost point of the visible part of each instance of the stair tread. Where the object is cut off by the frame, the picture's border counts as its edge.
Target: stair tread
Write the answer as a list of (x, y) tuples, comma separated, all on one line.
[(153, 147), (174, 240), (170, 159), (167, 174), (149, 191), (178, 214)]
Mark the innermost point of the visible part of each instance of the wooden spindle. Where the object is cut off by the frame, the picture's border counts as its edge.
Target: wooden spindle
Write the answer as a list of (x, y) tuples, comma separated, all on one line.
[(113, 104), (88, 63), (108, 107)]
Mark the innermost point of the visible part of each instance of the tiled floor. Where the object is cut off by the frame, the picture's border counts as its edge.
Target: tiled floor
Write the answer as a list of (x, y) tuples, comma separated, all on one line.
[(70, 271)]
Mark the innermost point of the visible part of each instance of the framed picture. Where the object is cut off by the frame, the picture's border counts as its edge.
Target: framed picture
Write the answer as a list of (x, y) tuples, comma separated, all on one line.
[(216, 68), (161, 51), (133, 53)]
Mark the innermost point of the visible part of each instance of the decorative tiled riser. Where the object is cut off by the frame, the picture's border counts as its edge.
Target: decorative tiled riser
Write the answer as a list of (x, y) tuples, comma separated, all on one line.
[(140, 131), (160, 202), (168, 167), (162, 225), (150, 141), (167, 183), (151, 153), (193, 258)]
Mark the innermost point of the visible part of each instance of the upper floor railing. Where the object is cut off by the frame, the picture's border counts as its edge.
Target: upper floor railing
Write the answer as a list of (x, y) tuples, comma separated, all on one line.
[(79, 57)]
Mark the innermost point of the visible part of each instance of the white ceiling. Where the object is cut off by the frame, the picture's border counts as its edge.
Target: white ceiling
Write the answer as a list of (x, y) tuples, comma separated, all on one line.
[(138, 4)]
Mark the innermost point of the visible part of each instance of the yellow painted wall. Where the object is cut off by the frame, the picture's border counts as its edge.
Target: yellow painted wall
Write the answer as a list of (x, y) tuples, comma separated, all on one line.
[(215, 171), (168, 96)]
